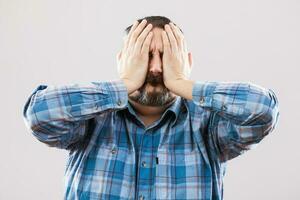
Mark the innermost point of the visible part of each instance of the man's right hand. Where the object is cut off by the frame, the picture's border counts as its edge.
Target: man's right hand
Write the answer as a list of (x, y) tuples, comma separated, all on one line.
[(134, 57)]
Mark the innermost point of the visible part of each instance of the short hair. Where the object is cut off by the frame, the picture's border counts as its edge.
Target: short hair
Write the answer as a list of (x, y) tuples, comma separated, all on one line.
[(156, 21)]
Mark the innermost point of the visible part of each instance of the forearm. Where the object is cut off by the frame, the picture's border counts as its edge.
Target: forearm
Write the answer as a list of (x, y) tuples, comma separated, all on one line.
[(243, 114), (58, 115), (242, 103), (130, 86), (77, 101)]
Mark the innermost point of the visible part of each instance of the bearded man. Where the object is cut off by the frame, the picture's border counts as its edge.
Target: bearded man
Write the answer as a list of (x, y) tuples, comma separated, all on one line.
[(153, 133)]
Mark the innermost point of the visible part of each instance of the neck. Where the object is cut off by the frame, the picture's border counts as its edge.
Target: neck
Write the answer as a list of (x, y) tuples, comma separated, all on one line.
[(149, 111)]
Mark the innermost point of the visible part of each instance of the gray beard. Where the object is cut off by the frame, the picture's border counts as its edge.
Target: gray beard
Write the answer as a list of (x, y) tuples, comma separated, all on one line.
[(159, 97)]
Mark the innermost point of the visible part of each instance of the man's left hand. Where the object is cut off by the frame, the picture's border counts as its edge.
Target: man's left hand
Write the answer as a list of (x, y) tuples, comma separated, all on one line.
[(177, 61)]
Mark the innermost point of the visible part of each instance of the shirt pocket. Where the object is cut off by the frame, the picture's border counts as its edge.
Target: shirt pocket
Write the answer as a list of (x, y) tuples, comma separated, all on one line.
[(178, 174), (112, 169)]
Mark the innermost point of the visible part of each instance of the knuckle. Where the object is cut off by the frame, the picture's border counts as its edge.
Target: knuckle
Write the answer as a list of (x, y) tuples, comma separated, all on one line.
[(143, 35), (134, 34), (139, 40), (146, 44)]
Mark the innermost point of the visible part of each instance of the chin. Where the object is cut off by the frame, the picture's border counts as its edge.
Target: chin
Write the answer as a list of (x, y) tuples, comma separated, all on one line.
[(158, 87), (155, 85)]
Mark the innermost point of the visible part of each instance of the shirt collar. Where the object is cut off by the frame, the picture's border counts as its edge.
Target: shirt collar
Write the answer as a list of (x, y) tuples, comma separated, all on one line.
[(175, 107)]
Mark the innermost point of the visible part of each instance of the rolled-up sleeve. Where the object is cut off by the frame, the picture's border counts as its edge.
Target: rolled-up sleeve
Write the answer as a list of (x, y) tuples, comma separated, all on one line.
[(58, 115), (242, 114)]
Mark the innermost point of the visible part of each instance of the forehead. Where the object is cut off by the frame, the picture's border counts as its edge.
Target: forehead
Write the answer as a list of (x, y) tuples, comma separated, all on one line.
[(156, 43)]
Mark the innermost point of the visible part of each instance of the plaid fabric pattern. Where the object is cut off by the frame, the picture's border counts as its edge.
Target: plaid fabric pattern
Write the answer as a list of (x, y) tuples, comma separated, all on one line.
[(183, 155)]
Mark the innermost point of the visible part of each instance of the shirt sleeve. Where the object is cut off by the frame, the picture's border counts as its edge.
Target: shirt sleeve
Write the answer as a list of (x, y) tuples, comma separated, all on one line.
[(58, 115), (242, 115)]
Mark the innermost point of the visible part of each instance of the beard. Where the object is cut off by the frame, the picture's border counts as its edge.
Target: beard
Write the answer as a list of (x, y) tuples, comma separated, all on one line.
[(157, 95)]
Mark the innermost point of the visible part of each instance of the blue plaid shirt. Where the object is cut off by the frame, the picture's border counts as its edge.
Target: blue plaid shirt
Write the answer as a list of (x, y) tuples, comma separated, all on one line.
[(183, 155)]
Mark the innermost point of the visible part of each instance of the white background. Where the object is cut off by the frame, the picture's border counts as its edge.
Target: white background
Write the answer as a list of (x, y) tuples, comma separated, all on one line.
[(61, 41)]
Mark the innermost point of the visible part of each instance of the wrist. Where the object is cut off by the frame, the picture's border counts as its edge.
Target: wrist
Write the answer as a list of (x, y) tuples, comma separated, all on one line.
[(131, 87), (182, 87)]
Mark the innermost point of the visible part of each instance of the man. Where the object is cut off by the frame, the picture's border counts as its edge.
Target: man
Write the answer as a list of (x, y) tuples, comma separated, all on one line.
[(152, 134)]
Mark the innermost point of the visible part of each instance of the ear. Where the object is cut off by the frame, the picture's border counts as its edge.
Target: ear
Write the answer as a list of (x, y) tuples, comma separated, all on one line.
[(190, 59)]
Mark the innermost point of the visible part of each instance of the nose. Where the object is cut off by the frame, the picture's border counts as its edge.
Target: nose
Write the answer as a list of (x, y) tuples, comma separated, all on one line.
[(155, 65)]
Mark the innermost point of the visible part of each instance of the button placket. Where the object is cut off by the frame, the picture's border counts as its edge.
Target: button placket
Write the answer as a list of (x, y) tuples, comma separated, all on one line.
[(144, 164)]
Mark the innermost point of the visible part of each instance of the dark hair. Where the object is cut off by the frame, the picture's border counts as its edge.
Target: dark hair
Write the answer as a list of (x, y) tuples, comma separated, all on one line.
[(156, 21)]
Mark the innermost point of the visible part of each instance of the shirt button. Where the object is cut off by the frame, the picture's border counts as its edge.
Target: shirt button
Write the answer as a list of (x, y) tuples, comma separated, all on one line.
[(114, 150), (201, 101), (144, 164), (119, 102), (224, 107), (141, 197)]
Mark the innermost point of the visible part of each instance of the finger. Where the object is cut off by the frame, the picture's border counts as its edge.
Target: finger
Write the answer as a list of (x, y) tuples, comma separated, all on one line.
[(146, 44), (178, 30), (166, 43), (183, 41), (135, 24), (127, 37), (136, 33), (181, 36), (178, 35), (140, 40), (172, 38)]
